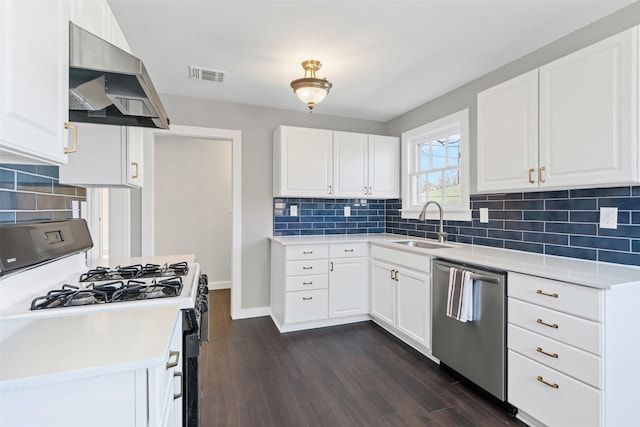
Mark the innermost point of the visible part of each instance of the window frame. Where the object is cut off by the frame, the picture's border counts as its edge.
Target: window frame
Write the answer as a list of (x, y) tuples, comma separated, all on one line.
[(410, 139)]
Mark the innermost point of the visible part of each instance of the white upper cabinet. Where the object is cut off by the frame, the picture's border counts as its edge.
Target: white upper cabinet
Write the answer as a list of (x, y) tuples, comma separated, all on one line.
[(302, 160), (588, 115), (107, 156), (365, 165), (34, 79), (325, 163), (384, 167), (507, 146), (571, 123)]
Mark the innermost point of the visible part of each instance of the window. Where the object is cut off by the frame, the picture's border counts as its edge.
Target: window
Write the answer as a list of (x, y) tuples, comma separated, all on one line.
[(436, 167)]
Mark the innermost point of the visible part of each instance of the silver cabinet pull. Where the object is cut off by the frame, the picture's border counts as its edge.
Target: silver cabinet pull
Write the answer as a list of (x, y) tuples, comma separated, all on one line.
[(554, 326), (173, 364), (331, 266), (540, 292), (366, 190), (330, 189), (307, 268), (307, 283), (554, 385), (540, 350), (348, 250), (392, 271), (306, 298), (307, 252), (179, 395)]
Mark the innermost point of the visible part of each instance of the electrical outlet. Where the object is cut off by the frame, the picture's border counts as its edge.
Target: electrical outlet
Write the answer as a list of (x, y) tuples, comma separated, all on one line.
[(484, 215), (293, 210), (609, 218), (347, 211)]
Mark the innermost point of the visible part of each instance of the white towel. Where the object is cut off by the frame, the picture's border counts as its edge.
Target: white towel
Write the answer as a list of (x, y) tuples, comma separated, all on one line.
[(460, 295)]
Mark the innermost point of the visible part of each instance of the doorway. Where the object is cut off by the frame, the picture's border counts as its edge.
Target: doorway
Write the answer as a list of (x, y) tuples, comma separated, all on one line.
[(153, 237)]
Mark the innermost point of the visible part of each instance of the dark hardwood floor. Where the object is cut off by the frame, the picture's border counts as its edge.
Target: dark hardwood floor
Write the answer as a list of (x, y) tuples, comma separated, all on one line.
[(351, 375)]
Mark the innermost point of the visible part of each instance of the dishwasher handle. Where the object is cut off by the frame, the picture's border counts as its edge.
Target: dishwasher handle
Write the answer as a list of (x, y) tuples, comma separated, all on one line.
[(474, 276)]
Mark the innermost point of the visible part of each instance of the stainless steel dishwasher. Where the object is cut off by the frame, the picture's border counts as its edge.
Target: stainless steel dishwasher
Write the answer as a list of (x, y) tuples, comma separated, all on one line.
[(475, 349)]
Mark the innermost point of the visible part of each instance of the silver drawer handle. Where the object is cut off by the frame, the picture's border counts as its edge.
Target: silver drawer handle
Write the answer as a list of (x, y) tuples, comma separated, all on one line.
[(307, 252), (554, 326), (540, 350), (348, 250), (307, 268), (540, 292), (306, 298), (554, 385), (173, 364), (307, 283)]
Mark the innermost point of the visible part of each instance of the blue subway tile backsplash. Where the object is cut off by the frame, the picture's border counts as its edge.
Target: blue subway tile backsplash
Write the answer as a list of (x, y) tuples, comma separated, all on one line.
[(33, 193), (564, 223)]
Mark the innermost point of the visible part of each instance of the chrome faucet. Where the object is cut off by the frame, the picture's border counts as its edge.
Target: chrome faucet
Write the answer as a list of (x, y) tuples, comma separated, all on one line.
[(442, 236)]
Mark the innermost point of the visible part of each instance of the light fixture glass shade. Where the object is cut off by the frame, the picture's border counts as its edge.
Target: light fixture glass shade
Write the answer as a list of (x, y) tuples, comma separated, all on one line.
[(310, 89)]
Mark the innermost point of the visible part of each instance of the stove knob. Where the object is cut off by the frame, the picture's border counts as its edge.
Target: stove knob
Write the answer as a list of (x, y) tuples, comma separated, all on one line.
[(204, 306)]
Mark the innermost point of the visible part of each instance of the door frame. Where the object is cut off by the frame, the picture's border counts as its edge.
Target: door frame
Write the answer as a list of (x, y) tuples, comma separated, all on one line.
[(148, 218)]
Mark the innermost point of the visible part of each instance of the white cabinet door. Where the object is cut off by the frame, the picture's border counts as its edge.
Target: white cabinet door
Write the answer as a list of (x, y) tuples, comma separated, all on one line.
[(414, 305), (34, 79), (350, 165), (383, 292), (384, 167), (348, 287), (302, 162), (107, 156), (507, 153), (588, 118)]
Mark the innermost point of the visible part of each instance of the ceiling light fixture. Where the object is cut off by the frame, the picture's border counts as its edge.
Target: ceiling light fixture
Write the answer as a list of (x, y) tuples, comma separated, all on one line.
[(309, 89)]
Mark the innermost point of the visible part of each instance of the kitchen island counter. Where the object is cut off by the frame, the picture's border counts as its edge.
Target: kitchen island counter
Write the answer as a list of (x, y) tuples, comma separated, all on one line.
[(54, 349)]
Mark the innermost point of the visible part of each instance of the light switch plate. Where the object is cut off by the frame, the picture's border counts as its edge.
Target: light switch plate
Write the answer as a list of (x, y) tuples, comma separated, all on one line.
[(484, 215), (609, 218), (347, 211), (293, 210)]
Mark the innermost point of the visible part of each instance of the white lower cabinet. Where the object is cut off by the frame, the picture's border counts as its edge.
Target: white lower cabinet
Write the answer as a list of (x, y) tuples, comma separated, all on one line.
[(136, 398), (573, 359), (401, 295), (314, 285)]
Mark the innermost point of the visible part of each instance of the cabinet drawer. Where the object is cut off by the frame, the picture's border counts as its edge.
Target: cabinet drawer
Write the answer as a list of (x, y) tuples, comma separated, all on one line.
[(303, 306), (307, 268), (572, 403), (571, 330), (564, 358), (297, 252), (573, 299), (346, 250), (307, 283), (411, 260)]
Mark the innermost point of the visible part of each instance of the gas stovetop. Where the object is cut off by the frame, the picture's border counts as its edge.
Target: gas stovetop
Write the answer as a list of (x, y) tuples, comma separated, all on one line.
[(47, 291)]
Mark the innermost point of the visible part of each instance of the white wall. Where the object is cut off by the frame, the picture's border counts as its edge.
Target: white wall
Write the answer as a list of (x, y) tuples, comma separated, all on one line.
[(192, 202)]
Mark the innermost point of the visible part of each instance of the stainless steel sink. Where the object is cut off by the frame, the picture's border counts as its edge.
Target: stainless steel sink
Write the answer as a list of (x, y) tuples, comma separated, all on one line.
[(423, 245)]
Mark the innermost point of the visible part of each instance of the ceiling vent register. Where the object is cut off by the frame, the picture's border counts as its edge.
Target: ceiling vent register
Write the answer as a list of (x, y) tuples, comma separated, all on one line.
[(199, 73)]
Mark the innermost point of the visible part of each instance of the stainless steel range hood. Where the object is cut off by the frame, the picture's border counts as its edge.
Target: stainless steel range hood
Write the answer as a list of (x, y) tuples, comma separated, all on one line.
[(110, 86)]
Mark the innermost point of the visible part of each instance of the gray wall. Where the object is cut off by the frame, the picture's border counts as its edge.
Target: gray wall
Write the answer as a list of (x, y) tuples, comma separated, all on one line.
[(465, 96), (257, 125)]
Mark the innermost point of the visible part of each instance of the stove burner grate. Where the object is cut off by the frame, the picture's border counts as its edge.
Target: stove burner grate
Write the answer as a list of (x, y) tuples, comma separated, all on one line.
[(136, 271), (69, 296)]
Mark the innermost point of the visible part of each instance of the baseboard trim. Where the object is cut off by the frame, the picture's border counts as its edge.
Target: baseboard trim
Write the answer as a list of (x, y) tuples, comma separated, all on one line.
[(220, 285), (247, 313)]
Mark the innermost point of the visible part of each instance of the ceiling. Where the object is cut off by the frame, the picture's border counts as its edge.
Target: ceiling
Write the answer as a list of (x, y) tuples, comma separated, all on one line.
[(383, 57)]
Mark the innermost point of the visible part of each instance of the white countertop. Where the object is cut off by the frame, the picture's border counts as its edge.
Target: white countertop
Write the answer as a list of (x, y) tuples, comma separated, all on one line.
[(587, 273), (65, 348)]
